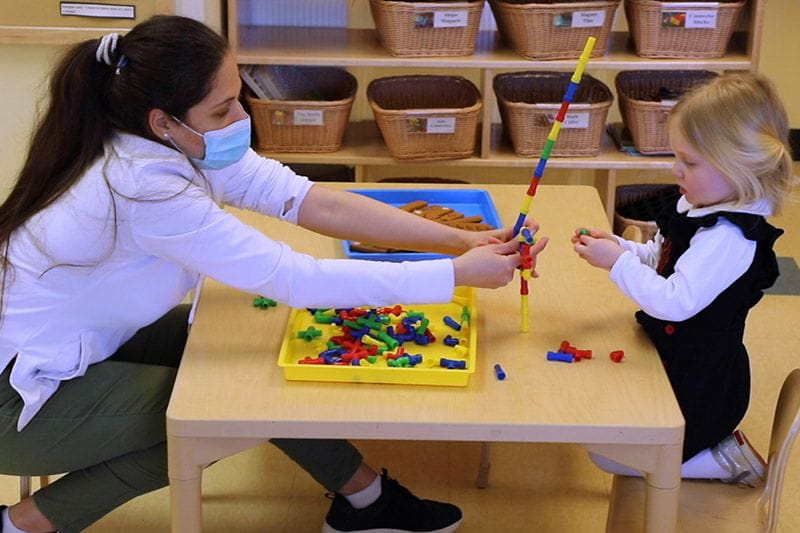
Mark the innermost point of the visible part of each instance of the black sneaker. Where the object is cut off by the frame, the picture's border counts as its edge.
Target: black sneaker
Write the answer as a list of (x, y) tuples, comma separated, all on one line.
[(395, 511)]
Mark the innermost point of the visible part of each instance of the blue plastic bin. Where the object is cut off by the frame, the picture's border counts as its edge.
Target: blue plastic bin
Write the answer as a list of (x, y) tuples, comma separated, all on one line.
[(469, 202)]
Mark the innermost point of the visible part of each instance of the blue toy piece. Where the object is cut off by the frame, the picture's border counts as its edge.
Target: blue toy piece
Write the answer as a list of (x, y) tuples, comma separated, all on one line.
[(452, 364), (422, 340), (415, 359), (334, 352), (499, 373), (452, 323), (560, 356), (450, 340)]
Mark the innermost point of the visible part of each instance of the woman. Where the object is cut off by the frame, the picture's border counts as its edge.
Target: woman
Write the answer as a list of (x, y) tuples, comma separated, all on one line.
[(114, 216)]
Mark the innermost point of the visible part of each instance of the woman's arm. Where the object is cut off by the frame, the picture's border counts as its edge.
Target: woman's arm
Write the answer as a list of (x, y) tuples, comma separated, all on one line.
[(345, 215)]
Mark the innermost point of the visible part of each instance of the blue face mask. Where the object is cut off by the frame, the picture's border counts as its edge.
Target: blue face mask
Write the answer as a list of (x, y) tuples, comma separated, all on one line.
[(225, 146)]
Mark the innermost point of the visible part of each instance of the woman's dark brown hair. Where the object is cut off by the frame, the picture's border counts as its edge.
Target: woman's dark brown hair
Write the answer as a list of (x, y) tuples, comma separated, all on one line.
[(170, 64)]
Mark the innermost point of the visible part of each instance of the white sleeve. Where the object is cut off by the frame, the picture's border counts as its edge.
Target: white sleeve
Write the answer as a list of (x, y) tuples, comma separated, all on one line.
[(189, 229), (260, 184), (648, 253), (716, 258)]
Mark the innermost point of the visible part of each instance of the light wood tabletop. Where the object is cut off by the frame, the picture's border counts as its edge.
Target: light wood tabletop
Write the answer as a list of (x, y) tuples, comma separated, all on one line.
[(230, 394)]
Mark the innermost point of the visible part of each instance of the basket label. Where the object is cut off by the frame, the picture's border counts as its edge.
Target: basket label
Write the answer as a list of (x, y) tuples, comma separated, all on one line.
[(689, 19), (575, 120), (431, 125), (441, 19), (579, 19), (308, 117), (450, 19)]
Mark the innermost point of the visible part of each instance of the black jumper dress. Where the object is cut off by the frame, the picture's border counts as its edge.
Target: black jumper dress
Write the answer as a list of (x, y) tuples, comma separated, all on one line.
[(704, 356)]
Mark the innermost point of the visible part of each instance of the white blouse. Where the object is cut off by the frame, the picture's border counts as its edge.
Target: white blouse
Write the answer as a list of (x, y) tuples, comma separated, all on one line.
[(82, 285), (717, 256)]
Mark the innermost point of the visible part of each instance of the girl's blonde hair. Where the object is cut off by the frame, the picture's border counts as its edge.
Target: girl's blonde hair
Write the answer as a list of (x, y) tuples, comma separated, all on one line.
[(738, 124)]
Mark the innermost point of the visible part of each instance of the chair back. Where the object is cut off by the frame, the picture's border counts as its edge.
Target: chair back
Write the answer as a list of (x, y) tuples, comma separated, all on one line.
[(785, 425)]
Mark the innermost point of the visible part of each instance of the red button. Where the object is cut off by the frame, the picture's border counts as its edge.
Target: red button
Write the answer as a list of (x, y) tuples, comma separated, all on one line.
[(669, 329)]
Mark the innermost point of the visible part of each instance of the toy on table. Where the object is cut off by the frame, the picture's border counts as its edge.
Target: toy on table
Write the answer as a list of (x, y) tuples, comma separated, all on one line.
[(567, 353), (545, 155), (264, 303), (399, 344), (367, 336)]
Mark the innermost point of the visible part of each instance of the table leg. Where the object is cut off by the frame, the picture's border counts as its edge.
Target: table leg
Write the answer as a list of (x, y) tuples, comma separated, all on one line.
[(662, 494), (483, 469), (661, 466), (186, 459), (186, 504)]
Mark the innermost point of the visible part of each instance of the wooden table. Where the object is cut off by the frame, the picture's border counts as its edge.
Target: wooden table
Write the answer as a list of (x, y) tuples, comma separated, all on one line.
[(230, 394)]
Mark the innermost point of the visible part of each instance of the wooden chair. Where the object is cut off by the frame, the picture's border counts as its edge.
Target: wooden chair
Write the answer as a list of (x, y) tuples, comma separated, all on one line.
[(707, 505), (25, 485), (633, 233)]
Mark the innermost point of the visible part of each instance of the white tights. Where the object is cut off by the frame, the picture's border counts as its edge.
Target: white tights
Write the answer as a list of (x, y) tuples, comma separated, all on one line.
[(701, 466)]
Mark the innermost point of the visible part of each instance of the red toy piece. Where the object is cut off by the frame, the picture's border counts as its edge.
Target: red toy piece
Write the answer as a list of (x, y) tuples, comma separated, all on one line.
[(396, 310), (617, 355)]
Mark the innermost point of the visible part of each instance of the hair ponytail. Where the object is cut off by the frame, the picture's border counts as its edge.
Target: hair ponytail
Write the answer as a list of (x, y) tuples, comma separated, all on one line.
[(166, 62)]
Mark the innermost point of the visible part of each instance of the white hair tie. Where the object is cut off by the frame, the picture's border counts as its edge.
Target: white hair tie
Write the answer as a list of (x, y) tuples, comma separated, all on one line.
[(107, 46)]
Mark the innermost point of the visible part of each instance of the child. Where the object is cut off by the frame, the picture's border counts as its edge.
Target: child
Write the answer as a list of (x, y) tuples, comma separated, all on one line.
[(709, 263), (114, 216)]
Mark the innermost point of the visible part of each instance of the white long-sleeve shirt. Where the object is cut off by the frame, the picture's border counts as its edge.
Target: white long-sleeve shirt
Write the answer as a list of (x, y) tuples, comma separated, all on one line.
[(81, 286), (717, 256)]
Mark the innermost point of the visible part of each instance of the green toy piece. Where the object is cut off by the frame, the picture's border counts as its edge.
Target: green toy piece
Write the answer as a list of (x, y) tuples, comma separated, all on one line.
[(309, 333), (321, 318), (264, 303)]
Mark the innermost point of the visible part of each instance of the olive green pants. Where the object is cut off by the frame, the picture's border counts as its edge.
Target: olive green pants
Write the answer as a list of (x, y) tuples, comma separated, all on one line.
[(107, 429)]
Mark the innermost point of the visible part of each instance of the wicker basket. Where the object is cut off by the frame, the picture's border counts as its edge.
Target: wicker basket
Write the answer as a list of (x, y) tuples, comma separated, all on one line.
[(311, 115), (544, 30), (667, 30), (639, 205), (643, 112), (426, 117), (421, 29), (529, 101)]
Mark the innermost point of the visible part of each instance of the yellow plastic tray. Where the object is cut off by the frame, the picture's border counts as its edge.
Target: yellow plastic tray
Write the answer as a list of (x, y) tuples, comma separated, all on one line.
[(427, 373)]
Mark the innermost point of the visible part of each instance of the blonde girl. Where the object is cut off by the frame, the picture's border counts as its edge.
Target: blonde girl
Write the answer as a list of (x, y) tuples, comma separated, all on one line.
[(709, 263)]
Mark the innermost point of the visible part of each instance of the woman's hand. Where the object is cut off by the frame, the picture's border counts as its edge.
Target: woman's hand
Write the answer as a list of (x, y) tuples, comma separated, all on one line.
[(601, 251), (496, 236), (492, 265)]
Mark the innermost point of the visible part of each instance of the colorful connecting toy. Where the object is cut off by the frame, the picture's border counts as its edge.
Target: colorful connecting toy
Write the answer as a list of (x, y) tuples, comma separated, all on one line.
[(370, 334), (544, 156)]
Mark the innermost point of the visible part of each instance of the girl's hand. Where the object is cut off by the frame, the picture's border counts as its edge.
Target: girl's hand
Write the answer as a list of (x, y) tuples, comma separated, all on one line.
[(492, 265), (496, 236), (601, 252), (592, 232)]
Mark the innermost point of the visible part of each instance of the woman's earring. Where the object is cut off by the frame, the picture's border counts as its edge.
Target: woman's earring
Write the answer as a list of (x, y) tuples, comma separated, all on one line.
[(166, 135)]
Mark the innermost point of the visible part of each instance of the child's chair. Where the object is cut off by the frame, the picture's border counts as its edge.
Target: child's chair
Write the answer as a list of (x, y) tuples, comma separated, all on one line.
[(707, 505), (25, 485)]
